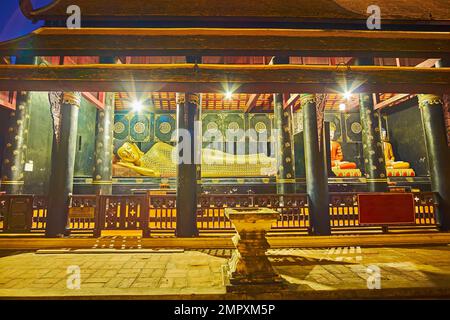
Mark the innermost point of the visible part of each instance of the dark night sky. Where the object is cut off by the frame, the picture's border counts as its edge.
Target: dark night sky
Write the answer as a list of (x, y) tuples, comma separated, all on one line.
[(12, 23)]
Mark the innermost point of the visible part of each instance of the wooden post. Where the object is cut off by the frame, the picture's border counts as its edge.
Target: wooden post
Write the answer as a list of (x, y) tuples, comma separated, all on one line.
[(374, 163), (316, 168), (284, 142), (62, 168), (12, 180), (102, 176), (438, 154), (187, 173)]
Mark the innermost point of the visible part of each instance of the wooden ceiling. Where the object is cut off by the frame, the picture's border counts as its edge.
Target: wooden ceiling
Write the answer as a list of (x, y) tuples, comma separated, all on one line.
[(166, 101)]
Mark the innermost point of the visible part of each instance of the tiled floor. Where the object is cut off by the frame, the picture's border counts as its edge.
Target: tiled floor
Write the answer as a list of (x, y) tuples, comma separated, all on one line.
[(201, 272)]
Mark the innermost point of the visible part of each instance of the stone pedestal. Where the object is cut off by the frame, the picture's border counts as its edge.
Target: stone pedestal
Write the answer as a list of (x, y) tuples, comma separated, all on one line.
[(250, 269)]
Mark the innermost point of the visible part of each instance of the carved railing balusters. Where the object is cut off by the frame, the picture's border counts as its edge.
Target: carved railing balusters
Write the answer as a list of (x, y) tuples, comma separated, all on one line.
[(157, 213)]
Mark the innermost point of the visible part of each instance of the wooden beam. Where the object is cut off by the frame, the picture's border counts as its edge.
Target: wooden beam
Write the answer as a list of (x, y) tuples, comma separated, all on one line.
[(227, 41), (410, 12), (251, 102), (216, 78), (292, 100), (402, 97), (98, 103), (429, 63), (294, 97)]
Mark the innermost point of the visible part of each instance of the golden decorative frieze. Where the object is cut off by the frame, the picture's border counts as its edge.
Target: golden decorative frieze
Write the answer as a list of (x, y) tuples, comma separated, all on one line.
[(307, 98), (72, 98), (180, 98), (193, 98), (429, 99)]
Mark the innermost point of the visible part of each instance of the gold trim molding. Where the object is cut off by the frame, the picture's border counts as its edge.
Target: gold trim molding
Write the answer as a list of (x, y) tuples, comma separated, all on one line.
[(429, 99), (72, 98)]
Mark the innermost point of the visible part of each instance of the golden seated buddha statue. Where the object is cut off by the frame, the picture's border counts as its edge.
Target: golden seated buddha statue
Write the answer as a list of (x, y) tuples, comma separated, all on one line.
[(337, 157), (340, 167), (394, 168), (158, 162)]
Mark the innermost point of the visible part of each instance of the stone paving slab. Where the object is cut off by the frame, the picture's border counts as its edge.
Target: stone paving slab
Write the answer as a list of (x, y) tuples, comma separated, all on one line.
[(335, 272)]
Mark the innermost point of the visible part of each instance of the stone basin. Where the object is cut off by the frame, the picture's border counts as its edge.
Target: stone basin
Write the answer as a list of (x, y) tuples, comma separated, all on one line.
[(250, 269), (251, 219)]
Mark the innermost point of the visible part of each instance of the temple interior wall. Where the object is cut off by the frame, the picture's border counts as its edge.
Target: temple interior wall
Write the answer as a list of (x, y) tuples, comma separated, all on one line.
[(347, 132), (85, 156), (39, 144), (405, 132), (147, 128), (403, 124), (39, 141)]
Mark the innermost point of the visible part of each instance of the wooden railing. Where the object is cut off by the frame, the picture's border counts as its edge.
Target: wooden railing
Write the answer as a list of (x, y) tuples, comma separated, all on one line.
[(3, 209), (425, 206), (293, 209), (40, 205), (344, 209), (157, 213), (83, 212), (128, 212), (162, 212), (211, 210)]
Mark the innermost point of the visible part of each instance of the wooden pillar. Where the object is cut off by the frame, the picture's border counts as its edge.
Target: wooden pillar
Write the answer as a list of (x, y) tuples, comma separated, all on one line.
[(431, 110), (316, 168), (445, 62), (63, 161), (284, 141), (102, 176), (374, 163), (188, 105), (12, 180)]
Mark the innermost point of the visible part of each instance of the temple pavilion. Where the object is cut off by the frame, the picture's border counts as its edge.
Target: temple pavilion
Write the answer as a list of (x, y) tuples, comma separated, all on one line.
[(297, 106)]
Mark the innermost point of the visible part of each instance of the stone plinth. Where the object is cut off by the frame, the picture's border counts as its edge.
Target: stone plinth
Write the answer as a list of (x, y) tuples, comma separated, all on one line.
[(249, 265)]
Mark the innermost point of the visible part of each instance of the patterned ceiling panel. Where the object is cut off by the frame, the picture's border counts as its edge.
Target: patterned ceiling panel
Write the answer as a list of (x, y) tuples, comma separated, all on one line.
[(166, 101)]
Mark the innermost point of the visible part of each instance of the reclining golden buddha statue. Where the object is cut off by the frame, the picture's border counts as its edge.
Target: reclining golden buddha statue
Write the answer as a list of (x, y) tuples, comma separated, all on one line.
[(159, 162), (394, 168)]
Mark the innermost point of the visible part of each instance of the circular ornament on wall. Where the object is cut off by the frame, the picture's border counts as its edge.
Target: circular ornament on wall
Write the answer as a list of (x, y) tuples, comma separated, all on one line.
[(233, 126), (260, 127), (119, 127), (356, 127), (212, 127), (139, 128), (165, 127)]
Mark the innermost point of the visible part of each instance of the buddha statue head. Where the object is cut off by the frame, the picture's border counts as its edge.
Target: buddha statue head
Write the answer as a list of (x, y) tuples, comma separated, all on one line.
[(383, 134), (129, 152), (332, 131)]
